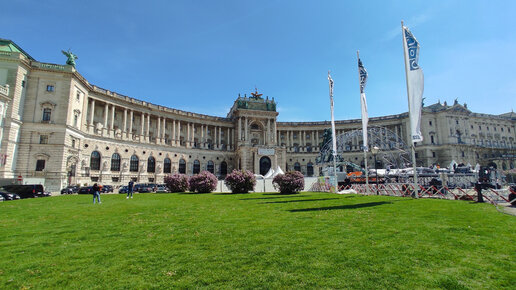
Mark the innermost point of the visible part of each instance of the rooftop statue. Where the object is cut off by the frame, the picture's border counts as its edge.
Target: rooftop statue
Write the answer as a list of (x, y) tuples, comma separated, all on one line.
[(71, 57), (256, 95)]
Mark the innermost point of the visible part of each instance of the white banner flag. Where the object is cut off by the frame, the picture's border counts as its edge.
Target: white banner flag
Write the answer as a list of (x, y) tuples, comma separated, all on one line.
[(362, 73), (415, 83)]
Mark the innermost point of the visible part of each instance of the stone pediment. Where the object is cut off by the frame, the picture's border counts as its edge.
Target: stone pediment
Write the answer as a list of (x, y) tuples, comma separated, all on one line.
[(459, 109)]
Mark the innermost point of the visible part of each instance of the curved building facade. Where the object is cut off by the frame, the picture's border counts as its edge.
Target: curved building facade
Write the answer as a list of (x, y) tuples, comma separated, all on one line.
[(59, 129)]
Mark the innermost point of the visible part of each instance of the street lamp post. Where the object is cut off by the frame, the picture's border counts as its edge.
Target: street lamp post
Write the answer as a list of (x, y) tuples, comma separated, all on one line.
[(375, 151)]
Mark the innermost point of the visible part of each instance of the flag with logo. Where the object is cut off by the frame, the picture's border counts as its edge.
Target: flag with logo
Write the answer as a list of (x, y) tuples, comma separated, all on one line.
[(362, 74), (415, 83)]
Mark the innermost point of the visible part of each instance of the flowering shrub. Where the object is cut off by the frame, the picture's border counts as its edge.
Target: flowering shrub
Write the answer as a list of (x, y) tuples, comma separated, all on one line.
[(203, 182), (240, 181), (177, 182), (290, 182)]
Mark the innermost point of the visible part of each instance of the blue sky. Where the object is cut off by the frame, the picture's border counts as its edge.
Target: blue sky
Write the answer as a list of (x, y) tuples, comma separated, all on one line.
[(199, 55)]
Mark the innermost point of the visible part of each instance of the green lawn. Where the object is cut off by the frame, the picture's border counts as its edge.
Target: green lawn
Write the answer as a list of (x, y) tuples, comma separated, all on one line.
[(255, 240)]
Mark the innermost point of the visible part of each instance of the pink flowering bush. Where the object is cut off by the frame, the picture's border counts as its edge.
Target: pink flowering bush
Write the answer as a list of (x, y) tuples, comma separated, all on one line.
[(177, 182), (290, 182), (203, 182), (240, 181)]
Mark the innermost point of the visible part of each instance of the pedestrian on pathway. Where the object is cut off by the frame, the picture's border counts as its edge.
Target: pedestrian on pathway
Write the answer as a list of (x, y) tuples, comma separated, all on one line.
[(130, 187), (96, 193)]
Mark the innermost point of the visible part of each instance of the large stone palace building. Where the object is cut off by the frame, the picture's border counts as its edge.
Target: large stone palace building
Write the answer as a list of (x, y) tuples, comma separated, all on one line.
[(59, 129)]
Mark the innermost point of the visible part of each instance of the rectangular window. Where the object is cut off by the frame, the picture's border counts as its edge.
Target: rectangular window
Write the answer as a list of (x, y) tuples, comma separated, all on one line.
[(46, 114), (23, 84), (94, 178), (487, 128), (457, 122), (479, 127), (73, 143), (462, 153), (50, 88), (115, 179), (40, 165), (430, 123), (433, 154), (43, 139), (75, 120), (432, 139)]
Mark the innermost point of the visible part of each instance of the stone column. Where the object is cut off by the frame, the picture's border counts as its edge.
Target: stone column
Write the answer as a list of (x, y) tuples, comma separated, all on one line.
[(246, 131), (232, 140), (239, 130), (147, 132), (178, 141), (124, 128), (158, 131), (275, 129), (202, 136), (188, 142), (92, 116), (105, 129), (164, 130), (142, 127), (130, 133), (112, 123), (219, 137), (173, 137), (268, 135)]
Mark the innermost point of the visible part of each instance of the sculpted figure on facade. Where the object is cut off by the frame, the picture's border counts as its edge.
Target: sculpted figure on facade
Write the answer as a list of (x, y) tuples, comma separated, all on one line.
[(71, 57)]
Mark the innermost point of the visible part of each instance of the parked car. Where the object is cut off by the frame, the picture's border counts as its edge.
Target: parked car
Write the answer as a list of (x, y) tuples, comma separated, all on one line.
[(123, 189), (70, 189), (8, 195), (1, 198), (27, 190), (162, 189), (144, 187), (107, 188), (86, 190)]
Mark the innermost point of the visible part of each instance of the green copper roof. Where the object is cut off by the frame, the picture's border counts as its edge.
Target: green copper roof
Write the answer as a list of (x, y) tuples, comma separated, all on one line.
[(10, 46)]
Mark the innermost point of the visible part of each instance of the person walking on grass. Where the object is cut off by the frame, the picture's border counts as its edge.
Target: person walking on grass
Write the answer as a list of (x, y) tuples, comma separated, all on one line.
[(96, 193), (130, 187)]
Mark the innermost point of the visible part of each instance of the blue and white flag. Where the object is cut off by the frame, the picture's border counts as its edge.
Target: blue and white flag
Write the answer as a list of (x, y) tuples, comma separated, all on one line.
[(415, 83), (362, 75)]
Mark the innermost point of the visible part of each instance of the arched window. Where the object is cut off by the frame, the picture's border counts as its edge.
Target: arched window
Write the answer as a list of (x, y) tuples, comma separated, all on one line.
[(297, 167), (133, 167), (115, 162), (95, 160), (196, 167), (151, 164), (210, 167), (182, 166), (223, 168), (310, 169), (167, 166)]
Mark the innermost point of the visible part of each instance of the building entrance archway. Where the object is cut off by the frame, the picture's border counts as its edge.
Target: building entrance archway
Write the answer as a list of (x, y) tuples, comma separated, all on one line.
[(265, 165)]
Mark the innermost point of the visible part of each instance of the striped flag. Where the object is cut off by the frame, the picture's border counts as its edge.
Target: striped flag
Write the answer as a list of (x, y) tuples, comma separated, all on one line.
[(362, 74), (415, 83)]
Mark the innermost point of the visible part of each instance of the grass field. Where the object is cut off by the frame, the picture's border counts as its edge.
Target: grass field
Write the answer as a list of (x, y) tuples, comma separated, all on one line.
[(255, 240)]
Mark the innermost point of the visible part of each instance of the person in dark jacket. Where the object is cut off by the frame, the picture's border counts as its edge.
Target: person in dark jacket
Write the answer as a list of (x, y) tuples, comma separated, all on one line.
[(130, 188), (96, 193)]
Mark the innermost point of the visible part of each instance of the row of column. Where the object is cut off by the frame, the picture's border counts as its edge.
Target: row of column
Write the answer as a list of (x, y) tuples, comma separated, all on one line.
[(302, 140), (173, 127), (244, 130)]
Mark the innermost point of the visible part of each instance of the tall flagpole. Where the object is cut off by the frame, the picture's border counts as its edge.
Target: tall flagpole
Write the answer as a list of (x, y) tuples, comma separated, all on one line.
[(412, 144), (334, 136), (365, 145)]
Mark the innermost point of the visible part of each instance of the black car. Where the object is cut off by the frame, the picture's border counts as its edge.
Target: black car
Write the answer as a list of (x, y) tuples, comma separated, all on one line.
[(86, 190), (107, 188), (70, 189), (123, 189), (8, 195), (27, 190)]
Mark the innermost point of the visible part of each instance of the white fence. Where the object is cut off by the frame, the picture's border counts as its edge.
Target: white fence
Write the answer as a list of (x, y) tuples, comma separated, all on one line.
[(265, 185)]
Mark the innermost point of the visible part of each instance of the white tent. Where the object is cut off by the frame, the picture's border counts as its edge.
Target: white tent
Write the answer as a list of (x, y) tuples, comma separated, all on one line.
[(278, 171), (269, 174)]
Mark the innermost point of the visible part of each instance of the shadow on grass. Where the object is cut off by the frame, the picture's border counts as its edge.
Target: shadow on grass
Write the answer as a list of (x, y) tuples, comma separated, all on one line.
[(274, 197), (347, 206), (283, 194), (299, 200)]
